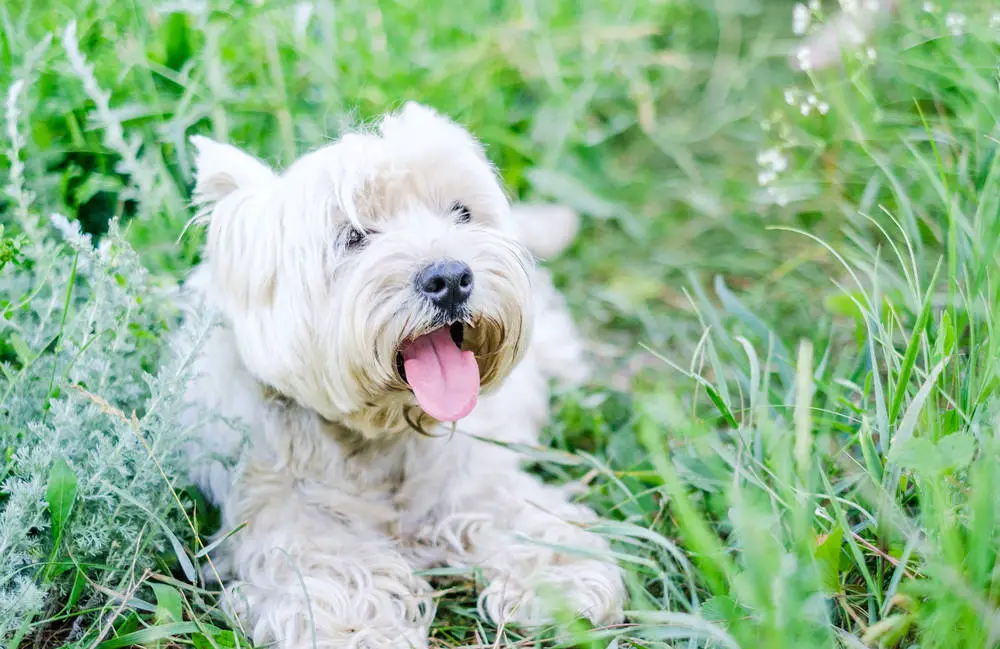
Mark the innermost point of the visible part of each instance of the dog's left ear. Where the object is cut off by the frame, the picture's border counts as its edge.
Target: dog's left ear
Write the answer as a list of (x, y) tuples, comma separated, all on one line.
[(546, 229)]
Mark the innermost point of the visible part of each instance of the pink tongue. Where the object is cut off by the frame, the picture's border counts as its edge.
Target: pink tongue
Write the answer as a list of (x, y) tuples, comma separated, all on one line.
[(444, 379)]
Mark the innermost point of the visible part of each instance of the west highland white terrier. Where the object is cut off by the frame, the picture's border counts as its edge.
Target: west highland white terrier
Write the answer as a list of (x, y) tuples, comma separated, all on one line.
[(378, 289)]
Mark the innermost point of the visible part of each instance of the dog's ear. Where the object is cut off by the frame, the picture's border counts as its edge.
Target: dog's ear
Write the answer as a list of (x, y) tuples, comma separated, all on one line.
[(546, 229), (221, 169), (232, 190), (415, 110), (417, 124)]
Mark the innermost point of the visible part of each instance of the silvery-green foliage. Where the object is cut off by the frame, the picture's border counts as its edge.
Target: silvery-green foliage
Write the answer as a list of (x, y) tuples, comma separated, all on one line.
[(84, 383)]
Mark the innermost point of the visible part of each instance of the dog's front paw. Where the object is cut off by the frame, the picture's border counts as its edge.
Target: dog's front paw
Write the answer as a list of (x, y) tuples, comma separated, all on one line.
[(592, 589)]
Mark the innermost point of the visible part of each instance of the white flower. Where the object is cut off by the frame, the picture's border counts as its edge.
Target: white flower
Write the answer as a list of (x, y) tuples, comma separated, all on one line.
[(955, 23), (805, 108), (772, 160), (789, 96), (871, 54), (823, 108), (814, 5), (804, 57), (800, 19), (811, 99), (929, 7), (779, 197)]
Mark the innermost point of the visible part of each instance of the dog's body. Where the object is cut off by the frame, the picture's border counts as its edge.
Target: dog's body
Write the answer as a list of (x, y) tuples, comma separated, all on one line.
[(323, 361)]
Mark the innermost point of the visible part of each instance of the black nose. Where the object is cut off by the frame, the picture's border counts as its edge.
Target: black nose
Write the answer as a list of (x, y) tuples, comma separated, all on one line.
[(448, 284)]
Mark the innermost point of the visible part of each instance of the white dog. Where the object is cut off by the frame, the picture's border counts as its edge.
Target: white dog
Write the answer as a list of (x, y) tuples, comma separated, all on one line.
[(377, 288)]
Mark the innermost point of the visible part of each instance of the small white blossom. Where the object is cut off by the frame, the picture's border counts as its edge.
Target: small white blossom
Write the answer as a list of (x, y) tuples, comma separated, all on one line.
[(780, 197), (871, 54), (955, 23), (814, 5), (804, 57), (773, 160), (823, 108), (812, 100), (789, 96), (929, 7), (800, 19), (805, 108)]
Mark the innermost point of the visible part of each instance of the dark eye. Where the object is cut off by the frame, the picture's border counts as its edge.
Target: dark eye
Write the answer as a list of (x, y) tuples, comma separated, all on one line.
[(461, 212), (355, 238)]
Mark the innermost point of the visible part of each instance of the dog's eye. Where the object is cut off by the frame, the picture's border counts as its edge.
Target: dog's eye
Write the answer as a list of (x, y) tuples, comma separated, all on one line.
[(461, 212), (355, 238)]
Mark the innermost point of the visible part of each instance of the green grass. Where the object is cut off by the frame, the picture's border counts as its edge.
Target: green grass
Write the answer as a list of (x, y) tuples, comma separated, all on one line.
[(793, 435)]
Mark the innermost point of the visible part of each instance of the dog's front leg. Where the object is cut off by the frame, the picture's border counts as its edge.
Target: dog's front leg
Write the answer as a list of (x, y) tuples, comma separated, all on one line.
[(528, 539), (309, 578)]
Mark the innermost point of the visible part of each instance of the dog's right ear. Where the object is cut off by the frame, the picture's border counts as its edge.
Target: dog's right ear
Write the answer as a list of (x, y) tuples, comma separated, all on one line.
[(221, 169), (232, 189)]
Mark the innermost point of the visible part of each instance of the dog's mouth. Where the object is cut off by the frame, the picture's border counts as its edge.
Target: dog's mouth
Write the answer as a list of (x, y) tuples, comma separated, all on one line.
[(444, 377)]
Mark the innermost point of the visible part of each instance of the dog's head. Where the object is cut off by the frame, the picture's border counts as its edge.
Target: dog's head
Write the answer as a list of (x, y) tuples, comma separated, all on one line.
[(375, 281)]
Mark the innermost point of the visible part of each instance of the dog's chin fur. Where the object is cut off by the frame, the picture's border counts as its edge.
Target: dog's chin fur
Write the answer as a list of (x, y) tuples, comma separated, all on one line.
[(346, 485)]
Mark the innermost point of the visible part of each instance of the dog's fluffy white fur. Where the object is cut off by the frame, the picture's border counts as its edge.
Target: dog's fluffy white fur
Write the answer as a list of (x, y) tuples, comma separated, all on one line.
[(308, 433)]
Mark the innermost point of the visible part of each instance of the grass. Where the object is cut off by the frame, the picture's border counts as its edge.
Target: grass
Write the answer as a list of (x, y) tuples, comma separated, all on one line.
[(793, 436)]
